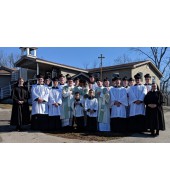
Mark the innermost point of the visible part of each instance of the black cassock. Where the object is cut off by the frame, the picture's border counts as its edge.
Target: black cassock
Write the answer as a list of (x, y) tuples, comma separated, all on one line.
[(154, 116), (20, 112)]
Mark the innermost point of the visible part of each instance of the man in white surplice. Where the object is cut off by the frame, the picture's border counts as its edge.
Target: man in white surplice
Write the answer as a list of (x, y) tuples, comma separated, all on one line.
[(55, 101), (118, 96), (137, 108), (40, 94)]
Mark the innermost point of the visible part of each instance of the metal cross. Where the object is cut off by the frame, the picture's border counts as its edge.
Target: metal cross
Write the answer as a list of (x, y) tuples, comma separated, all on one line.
[(101, 57)]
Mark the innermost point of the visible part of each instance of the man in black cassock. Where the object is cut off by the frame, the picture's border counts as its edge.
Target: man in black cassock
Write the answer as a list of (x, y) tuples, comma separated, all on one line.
[(154, 112), (20, 110)]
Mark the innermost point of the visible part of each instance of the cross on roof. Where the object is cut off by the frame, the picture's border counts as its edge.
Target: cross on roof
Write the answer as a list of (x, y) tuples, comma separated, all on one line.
[(101, 57)]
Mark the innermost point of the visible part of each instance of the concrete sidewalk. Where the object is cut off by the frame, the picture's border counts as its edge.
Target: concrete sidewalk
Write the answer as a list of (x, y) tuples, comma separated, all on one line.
[(8, 135)]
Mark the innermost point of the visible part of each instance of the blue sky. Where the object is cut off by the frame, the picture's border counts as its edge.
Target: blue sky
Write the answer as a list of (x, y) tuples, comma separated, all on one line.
[(80, 56)]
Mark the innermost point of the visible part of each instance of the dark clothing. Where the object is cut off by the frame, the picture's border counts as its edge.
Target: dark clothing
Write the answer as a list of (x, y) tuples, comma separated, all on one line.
[(20, 112), (154, 116), (118, 125), (79, 122), (137, 124), (54, 123), (92, 124), (39, 122)]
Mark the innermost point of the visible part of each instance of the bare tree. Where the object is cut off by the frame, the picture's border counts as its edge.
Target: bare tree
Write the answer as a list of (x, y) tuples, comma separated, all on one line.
[(124, 59), (159, 57), (86, 65), (8, 60), (95, 64)]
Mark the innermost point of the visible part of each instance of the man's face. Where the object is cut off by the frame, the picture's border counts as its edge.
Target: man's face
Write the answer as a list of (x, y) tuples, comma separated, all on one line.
[(138, 81), (40, 80), (92, 79), (125, 83), (99, 83), (70, 82), (106, 83), (91, 93), (77, 96), (62, 80), (147, 80), (131, 83), (55, 83), (47, 81), (118, 82)]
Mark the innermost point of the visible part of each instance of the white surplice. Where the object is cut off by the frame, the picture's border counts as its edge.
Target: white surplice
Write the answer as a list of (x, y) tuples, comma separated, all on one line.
[(118, 94), (137, 92), (55, 96), (39, 91)]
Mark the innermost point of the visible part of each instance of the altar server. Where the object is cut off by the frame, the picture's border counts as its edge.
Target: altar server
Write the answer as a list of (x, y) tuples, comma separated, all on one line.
[(148, 82), (55, 101), (40, 94), (137, 108), (91, 106), (78, 112), (118, 100)]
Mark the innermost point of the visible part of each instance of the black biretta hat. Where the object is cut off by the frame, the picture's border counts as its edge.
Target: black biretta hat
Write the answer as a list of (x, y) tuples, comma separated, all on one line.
[(125, 78), (55, 79), (39, 76), (47, 78), (70, 78), (98, 79), (91, 75), (137, 76), (61, 75), (147, 76), (117, 78), (106, 79), (130, 79), (76, 79)]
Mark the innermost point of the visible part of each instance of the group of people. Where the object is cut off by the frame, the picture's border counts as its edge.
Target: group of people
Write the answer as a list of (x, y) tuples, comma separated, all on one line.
[(62, 103)]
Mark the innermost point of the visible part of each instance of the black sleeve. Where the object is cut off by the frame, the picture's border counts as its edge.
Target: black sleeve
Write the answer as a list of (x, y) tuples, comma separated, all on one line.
[(14, 95)]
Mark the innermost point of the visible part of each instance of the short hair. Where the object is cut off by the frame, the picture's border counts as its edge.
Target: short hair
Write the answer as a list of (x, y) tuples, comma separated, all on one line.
[(21, 78), (77, 93), (91, 90)]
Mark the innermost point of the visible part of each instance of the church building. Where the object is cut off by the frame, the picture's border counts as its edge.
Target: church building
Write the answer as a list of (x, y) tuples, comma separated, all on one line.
[(30, 65)]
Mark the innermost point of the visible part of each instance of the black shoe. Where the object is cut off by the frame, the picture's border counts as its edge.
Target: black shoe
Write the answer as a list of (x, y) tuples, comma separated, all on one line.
[(157, 132)]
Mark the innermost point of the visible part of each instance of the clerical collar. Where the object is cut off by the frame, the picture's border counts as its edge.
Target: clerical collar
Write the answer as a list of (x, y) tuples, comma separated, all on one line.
[(91, 97), (77, 99), (55, 87), (39, 84), (92, 82)]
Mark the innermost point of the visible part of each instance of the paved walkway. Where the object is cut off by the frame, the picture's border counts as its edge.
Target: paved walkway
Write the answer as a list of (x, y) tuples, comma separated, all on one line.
[(7, 135)]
